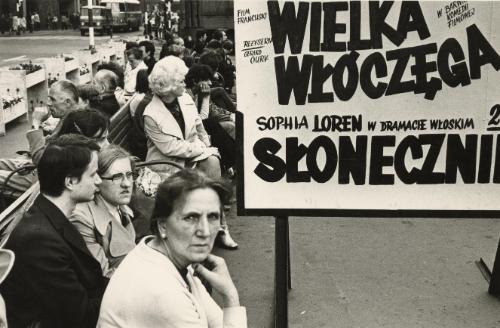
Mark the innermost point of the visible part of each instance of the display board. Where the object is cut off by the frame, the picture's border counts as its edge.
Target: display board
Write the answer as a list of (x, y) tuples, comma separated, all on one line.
[(369, 108)]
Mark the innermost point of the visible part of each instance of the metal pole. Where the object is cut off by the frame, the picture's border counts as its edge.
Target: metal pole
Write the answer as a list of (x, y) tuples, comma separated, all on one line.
[(91, 25), (282, 272), (25, 13)]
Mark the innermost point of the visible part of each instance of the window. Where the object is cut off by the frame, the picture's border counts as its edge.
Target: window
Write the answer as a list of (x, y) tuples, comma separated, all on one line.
[(134, 7), (122, 7), (113, 6)]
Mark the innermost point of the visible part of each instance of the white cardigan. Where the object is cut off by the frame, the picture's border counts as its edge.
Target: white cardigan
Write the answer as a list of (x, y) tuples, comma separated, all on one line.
[(148, 291)]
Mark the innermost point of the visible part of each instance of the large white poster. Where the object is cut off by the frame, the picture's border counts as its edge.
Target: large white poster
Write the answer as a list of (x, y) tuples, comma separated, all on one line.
[(369, 105)]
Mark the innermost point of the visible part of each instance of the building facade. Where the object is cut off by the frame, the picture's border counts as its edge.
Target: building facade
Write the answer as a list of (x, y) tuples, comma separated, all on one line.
[(206, 15), (44, 8), (194, 14)]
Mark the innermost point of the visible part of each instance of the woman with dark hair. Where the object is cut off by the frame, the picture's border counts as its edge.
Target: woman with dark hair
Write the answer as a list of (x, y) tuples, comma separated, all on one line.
[(89, 95), (214, 59), (198, 81), (87, 122), (185, 221), (220, 127)]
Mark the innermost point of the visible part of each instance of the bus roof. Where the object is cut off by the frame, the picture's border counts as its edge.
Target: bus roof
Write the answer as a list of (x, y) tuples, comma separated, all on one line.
[(94, 7), (134, 2)]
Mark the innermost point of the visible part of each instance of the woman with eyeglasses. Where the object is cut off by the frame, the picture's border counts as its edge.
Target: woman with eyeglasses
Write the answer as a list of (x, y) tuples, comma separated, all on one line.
[(105, 222)]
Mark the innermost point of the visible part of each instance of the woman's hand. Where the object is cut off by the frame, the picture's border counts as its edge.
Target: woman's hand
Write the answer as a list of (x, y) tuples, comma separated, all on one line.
[(204, 88), (218, 276)]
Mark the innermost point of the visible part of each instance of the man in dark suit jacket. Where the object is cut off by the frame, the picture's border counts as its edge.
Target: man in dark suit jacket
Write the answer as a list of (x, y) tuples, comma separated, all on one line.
[(55, 280)]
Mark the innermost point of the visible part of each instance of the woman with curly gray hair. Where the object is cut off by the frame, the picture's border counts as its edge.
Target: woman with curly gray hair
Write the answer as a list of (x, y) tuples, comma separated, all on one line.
[(172, 123), (174, 129)]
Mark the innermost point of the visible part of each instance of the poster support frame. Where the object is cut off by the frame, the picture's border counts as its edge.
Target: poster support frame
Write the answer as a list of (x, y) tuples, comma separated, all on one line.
[(494, 287), (282, 272)]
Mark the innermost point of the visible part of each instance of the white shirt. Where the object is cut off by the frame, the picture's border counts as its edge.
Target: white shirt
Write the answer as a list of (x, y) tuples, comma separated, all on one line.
[(131, 78)]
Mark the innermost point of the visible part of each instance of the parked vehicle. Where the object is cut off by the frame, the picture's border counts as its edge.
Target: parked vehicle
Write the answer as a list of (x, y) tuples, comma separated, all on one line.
[(126, 14), (101, 19)]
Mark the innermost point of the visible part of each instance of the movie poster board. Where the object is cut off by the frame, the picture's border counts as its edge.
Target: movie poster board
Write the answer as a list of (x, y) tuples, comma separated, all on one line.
[(368, 108)]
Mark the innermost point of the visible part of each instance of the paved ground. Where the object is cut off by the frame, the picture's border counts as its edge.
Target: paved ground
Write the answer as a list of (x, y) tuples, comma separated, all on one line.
[(357, 272), (48, 43)]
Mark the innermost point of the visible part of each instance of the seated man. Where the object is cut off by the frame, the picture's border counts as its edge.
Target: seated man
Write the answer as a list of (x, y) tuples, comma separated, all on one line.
[(63, 97), (55, 281), (107, 82), (120, 74), (105, 222)]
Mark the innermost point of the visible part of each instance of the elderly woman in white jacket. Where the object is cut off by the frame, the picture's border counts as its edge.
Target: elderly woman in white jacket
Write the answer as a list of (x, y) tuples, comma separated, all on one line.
[(171, 122), (157, 283)]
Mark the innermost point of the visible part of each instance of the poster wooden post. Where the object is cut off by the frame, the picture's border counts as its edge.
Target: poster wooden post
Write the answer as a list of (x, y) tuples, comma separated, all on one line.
[(282, 272), (494, 288)]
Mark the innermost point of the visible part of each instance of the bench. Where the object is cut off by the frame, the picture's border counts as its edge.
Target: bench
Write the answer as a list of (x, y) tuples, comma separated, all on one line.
[(119, 127), (127, 131), (121, 124)]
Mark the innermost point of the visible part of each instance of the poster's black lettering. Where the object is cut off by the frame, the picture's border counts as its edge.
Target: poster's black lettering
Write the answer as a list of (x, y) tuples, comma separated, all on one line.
[(469, 157)]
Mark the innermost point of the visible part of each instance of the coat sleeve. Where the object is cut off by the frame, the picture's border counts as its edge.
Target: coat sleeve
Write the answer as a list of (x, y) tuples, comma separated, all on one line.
[(169, 145), (202, 133), (84, 223), (36, 142), (55, 283)]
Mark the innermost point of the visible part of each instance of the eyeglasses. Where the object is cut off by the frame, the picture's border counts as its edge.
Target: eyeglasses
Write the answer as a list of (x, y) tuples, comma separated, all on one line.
[(119, 177)]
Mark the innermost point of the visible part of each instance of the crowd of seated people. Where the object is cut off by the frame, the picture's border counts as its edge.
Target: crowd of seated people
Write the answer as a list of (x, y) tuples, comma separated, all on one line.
[(76, 247)]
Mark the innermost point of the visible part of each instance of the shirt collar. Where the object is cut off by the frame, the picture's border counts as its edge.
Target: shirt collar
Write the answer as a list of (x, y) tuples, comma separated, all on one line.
[(115, 210)]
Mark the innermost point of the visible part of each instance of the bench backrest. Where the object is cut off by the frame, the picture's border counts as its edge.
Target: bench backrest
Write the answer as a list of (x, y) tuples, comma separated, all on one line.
[(12, 214), (120, 126)]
